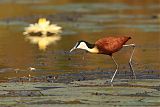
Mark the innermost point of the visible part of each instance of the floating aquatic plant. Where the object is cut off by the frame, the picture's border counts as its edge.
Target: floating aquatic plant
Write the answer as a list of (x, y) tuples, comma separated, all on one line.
[(42, 33), (43, 26)]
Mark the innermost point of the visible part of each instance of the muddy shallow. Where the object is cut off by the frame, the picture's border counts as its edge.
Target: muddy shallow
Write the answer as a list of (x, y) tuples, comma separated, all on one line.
[(68, 79)]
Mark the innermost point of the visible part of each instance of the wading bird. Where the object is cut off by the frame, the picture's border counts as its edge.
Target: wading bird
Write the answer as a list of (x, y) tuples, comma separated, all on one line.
[(107, 46)]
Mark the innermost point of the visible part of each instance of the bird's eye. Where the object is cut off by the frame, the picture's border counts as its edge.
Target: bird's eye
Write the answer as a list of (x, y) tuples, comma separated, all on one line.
[(35, 34), (50, 34)]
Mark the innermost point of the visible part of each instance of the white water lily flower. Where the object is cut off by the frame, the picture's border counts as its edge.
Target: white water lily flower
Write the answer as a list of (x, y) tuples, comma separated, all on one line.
[(42, 33), (44, 27)]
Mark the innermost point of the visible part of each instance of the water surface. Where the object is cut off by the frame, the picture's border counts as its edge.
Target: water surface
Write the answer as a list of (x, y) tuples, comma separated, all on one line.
[(81, 20)]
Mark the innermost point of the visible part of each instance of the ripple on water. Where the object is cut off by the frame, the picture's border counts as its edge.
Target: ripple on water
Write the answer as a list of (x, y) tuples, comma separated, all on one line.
[(94, 7), (23, 1), (83, 7), (13, 23)]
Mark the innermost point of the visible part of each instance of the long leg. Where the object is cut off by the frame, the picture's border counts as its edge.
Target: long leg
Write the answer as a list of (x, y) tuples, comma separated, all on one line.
[(130, 60), (115, 70)]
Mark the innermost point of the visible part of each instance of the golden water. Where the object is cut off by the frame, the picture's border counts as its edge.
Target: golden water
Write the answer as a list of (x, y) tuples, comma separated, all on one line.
[(81, 20)]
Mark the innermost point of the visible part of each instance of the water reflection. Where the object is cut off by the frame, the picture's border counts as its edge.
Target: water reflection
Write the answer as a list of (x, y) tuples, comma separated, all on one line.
[(44, 41), (81, 20)]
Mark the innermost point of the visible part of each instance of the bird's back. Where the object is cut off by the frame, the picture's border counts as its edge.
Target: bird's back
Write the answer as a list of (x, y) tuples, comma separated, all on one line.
[(109, 45)]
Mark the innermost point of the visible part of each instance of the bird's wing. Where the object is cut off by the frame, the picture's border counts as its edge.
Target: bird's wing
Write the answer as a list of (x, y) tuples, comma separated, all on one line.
[(110, 45)]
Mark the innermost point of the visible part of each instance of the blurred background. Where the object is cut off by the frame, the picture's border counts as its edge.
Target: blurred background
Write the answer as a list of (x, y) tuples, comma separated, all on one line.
[(81, 20)]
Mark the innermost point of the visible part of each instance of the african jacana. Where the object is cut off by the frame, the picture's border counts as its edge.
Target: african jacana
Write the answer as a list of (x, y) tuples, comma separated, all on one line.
[(107, 46)]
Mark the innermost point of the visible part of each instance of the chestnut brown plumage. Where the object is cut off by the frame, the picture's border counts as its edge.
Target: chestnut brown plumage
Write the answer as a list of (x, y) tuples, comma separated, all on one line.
[(107, 46)]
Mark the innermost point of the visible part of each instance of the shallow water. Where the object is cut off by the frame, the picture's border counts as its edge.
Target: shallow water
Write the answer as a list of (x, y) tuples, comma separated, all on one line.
[(81, 20)]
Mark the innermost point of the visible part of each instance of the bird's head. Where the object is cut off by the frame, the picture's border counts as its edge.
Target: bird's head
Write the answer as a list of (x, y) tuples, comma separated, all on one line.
[(84, 45)]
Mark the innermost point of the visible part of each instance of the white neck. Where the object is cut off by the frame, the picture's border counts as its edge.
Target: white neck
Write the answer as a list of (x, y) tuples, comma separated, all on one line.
[(83, 45)]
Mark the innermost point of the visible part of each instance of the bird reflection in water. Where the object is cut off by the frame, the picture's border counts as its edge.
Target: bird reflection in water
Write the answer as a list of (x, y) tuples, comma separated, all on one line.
[(43, 33)]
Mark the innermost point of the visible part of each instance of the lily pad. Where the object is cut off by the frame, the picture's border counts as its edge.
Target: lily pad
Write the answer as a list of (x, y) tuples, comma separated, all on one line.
[(28, 86), (3, 92)]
